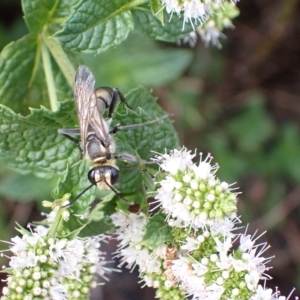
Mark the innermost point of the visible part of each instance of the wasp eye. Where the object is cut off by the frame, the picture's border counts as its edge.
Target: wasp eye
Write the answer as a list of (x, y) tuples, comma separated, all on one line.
[(91, 176), (114, 175)]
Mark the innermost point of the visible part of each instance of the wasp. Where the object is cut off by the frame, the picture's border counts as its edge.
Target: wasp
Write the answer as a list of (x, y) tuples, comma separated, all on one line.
[(98, 145)]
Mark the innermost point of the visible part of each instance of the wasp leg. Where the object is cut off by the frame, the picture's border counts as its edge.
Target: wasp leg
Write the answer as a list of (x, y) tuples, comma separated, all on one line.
[(122, 98), (119, 127), (68, 132), (118, 194), (78, 196), (109, 97), (116, 94), (90, 186)]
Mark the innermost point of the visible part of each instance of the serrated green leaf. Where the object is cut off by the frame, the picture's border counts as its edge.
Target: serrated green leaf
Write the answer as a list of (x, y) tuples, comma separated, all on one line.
[(32, 145), (94, 26), (37, 13), (63, 8), (172, 31), (16, 65), (157, 232)]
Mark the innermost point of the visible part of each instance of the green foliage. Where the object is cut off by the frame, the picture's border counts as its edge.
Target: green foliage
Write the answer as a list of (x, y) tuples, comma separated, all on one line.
[(157, 232), (43, 71), (16, 60), (38, 14), (95, 26), (29, 187), (172, 31), (32, 145), (253, 126), (140, 61)]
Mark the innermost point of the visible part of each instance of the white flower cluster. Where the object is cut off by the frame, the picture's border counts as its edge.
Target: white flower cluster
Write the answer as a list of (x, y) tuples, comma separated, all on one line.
[(130, 233), (207, 17), (194, 11), (53, 268), (196, 257), (131, 230), (190, 194)]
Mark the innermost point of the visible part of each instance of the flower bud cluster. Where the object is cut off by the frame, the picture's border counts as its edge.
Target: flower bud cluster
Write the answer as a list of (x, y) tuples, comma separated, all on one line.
[(192, 194), (130, 233), (197, 258), (42, 267), (208, 17)]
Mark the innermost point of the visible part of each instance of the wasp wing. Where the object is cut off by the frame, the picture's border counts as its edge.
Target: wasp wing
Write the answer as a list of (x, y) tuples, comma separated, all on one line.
[(89, 107), (99, 125), (84, 87)]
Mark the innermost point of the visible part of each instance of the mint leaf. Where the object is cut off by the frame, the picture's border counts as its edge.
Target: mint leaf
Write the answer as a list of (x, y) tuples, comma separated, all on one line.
[(63, 8), (32, 145), (158, 232), (94, 26), (74, 183), (172, 31), (37, 13), (16, 65)]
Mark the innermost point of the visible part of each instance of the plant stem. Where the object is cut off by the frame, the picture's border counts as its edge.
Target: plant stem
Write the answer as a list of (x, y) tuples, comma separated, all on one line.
[(61, 59), (49, 76), (136, 3), (56, 223)]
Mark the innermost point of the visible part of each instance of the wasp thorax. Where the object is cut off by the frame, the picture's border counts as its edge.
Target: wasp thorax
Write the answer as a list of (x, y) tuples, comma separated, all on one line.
[(103, 176), (96, 151)]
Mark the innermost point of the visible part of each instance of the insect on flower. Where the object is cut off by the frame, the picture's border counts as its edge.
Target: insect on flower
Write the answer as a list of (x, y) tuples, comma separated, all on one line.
[(97, 141)]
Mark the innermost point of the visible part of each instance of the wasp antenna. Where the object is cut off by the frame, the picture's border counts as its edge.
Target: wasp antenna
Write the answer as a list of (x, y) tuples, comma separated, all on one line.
[(118, 194), (77, 197)]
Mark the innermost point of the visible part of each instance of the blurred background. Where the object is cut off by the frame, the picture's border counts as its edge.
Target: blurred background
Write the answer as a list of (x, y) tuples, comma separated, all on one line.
[(241, 103)]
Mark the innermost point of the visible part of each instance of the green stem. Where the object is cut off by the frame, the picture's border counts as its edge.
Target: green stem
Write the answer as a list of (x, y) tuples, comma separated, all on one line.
[(61, 59), (49, 77), (135, 3), (56, 224)]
